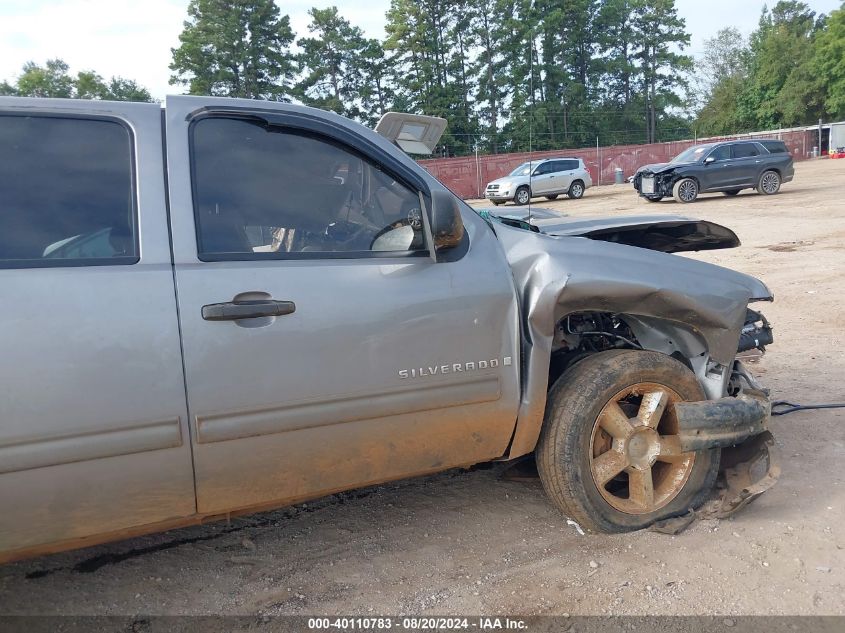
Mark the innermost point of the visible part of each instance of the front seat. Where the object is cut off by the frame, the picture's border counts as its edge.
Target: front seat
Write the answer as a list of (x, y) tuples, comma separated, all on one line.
[(223, 231)]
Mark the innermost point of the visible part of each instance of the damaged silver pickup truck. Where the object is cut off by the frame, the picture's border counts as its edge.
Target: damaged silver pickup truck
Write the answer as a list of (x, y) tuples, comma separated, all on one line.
[(222, 306)]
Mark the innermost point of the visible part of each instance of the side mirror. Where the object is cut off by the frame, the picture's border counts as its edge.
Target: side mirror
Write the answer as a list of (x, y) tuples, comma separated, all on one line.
[(709, 160), (447, 228)]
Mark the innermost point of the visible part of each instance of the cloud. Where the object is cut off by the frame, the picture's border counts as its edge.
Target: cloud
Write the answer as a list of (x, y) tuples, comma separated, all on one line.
[(113, 37), (130, 38)]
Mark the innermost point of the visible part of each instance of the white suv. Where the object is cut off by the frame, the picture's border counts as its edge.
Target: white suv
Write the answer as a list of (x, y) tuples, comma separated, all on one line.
[(549, 177)]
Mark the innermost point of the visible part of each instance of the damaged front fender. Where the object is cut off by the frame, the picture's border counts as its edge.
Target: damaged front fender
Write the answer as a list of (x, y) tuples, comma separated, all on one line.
[(557, 276)]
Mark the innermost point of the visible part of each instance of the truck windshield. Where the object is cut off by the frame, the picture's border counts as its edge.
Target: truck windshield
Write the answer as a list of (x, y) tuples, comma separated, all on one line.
[(523, 170), (691, 155)]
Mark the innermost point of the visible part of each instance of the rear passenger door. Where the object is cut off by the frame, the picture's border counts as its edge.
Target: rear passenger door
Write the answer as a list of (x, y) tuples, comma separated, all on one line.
[(565, 174), (93, 426), (321, 351), (747, 163)]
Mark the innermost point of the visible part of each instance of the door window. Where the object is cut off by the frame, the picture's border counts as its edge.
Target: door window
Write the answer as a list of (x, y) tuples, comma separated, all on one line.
[(745, 150), (774, 147), (266, 192), (66, 192), (721, 153)]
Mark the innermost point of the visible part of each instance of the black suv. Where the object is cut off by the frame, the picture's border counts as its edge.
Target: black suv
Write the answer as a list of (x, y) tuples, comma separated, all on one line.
[(728, 167)]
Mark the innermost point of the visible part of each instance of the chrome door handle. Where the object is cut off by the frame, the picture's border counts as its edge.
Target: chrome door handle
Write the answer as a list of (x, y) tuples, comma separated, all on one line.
[(234, 311)]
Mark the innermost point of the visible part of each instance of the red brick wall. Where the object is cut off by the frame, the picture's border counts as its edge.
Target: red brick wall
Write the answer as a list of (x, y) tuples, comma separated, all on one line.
[(467, 178)]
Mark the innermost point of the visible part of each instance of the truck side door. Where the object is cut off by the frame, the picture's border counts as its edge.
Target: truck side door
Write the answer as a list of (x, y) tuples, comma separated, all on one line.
[(319, 356), (93, 417)]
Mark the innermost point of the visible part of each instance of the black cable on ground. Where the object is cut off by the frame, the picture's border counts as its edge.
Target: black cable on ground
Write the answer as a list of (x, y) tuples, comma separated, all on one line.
[(782, 407)]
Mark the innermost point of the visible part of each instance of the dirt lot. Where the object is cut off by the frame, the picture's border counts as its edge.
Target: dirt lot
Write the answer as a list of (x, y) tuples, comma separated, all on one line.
[(465, 542)]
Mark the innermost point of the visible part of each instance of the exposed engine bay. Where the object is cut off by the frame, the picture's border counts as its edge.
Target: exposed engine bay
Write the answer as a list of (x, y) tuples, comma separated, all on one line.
[(584, 333)]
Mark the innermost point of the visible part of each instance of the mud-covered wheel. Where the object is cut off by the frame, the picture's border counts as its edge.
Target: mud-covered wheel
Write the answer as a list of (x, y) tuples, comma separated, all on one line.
[(608, 455), (522, 195), (685, 190)]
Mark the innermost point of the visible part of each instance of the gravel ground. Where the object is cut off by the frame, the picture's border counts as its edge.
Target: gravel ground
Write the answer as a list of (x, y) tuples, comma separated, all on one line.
[(464, 542)]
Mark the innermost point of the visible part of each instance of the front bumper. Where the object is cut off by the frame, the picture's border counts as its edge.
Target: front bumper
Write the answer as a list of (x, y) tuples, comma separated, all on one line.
[(749, 463), (499, 196), (722, 423)]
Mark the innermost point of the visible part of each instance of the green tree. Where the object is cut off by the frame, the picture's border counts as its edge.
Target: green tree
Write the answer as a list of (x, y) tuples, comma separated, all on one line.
[(722, 73), (428, 48), (376, 89), (7, 89), (782, 89), (235, 48), (54, 80), (331, 62), (659, 31), (50, 80), (120, 89), (488, 68), (828, 62)]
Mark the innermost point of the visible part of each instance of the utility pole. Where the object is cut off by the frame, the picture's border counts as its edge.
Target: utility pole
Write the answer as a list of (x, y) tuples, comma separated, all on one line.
[(820, 137)]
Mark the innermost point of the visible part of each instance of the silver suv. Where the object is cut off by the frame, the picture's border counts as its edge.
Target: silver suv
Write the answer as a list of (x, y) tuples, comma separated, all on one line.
[(549, 177)]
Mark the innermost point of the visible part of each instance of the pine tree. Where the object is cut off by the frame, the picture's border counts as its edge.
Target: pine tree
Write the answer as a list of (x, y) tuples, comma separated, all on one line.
[(235, 48)]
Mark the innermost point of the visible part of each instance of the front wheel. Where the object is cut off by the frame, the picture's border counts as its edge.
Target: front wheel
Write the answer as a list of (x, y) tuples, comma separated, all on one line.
[(769, 183), (576, 190), (609, 454), (522, 195), (685, 190)]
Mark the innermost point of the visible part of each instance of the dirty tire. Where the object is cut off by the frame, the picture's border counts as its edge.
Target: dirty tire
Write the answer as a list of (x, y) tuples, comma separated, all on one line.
[(685, 190), (564, 454), (732, 192), (552, 197), (769, 183), (522, 195), (576, 190)]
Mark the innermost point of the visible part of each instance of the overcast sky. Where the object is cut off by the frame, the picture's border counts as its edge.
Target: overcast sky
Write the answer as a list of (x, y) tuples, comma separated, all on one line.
[(133, 38)]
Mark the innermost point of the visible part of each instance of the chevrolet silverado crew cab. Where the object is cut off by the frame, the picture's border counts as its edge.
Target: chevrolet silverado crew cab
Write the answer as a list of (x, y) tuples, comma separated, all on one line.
[(549, 177), (220, 306), (727, 167)]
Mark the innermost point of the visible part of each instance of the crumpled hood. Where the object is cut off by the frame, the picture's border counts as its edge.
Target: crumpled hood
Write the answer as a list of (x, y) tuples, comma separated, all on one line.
[(657, 168), (559, 275), (665, 233)]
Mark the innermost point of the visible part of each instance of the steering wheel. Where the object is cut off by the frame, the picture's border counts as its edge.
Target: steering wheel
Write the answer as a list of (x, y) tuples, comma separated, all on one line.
[(416, 225)]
